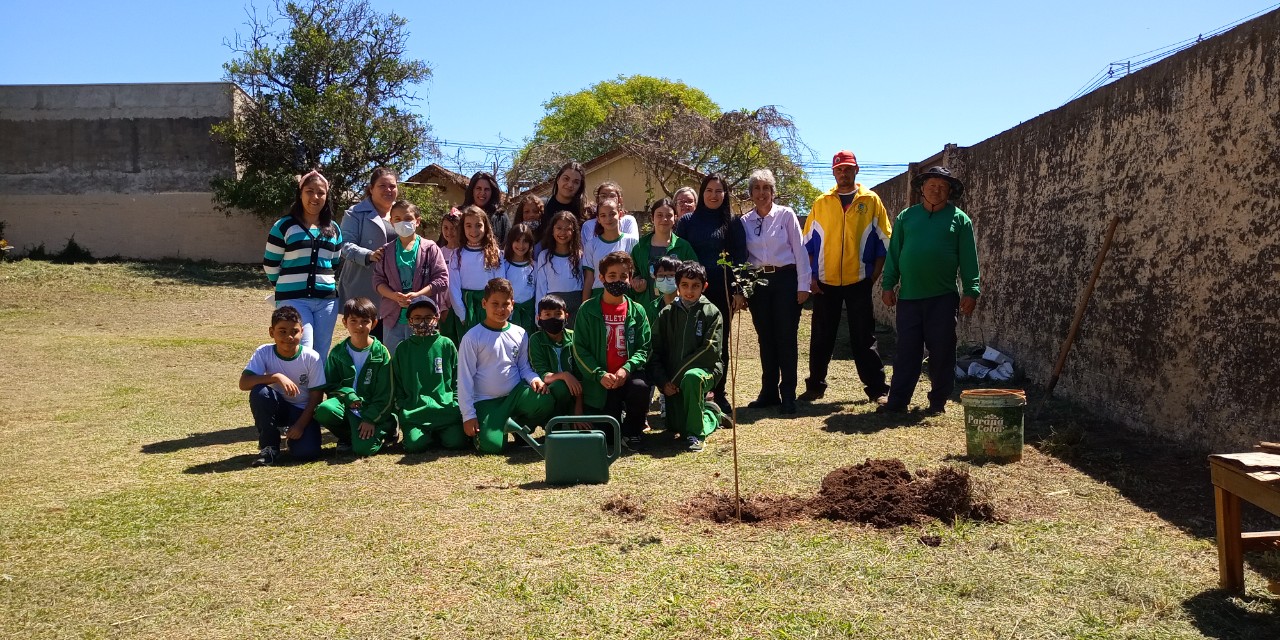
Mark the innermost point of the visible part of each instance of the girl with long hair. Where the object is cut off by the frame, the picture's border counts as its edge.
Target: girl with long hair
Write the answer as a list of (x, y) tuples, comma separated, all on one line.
[(472, 267), (606, 238), (559, 265), (626, 222), (450, 244), (482, 191), (566, 193), (519, 272)]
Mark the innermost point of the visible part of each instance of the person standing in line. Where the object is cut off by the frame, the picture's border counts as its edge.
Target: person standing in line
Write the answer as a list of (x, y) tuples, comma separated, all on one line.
[(775, 245), (847, 237), (366, 230), (932, 242)]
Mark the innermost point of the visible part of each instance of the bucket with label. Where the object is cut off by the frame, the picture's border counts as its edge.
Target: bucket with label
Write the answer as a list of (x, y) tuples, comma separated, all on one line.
[(993, 423)]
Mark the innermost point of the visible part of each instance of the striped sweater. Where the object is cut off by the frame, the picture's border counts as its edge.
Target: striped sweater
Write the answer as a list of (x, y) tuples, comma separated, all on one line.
[(299, 262)]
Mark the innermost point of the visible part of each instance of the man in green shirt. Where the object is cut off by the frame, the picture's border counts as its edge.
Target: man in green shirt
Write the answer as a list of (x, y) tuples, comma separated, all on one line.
[(931, 242)]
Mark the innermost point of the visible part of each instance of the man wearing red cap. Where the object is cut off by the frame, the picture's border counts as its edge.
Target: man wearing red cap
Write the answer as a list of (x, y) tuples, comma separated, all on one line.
[(847, 237)]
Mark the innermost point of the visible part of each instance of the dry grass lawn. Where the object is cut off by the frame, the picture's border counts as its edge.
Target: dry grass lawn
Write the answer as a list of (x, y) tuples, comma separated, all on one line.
[(127, 509)]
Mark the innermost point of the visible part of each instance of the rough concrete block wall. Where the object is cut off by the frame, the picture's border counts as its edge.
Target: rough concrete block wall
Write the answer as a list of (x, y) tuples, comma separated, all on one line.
[(1182, 337), (131, 165)]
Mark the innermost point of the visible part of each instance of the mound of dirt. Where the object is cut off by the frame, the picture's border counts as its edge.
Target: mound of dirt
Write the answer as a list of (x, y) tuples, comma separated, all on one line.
[(624, 506), (881, 493)]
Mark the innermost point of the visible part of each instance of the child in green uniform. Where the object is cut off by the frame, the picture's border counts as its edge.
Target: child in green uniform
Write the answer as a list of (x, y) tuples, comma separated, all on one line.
[(658, 244), (358, 375), (664, 285), (686, 362), (611, 346), (496, 384), (424, 383), (551, 354)]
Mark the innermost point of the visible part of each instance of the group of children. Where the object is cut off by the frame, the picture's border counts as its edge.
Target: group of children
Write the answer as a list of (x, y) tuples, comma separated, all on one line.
[(463, 368)]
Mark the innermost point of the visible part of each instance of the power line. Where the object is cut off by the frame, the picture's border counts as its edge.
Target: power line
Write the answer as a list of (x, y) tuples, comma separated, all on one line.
[(1124, 67)]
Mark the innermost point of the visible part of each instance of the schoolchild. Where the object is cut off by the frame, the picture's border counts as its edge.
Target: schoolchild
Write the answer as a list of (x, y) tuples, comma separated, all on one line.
[(559, 265), (686, 362), (410, 268), (285, 381), (424, 383), (475, 264), (551, 355), (357, 377), (519, 271), (606, 239)]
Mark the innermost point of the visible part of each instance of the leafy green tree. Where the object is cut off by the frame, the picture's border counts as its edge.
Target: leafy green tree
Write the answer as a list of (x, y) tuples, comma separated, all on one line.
[(329, 85)]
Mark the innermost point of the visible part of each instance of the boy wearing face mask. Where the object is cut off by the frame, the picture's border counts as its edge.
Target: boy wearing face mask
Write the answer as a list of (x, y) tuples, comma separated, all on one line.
[(611, 346), (411, 267), (551, 354), (424, 383), (358, 374), (686, 363), (664, 285)]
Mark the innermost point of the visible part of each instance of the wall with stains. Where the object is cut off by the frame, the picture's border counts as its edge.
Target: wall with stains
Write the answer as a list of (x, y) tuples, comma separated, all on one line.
[(1182, 337)]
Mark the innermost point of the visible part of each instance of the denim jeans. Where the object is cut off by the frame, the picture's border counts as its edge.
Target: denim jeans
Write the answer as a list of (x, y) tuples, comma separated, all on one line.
[(393, 336), (272, 414), (318, 317)]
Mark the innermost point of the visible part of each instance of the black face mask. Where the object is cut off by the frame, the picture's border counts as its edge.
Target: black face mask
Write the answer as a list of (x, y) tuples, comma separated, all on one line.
[(618, 287), (551, 325)]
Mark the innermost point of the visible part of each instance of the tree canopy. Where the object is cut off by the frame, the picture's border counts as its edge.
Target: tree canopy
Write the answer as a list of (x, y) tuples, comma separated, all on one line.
[(329, 85), (670, 127)]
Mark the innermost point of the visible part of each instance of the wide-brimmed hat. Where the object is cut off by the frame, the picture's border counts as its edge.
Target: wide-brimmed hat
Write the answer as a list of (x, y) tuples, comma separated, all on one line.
[(957, 187)]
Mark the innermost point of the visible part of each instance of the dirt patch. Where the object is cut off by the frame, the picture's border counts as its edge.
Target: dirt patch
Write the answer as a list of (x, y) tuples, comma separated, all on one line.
[(625, 506), (881, 493)]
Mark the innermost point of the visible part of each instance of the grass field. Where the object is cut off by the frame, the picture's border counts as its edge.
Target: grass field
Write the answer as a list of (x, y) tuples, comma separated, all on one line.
[(127, 509)]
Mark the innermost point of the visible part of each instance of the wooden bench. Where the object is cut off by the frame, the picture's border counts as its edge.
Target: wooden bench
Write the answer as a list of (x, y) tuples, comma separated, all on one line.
[(1253, 477)]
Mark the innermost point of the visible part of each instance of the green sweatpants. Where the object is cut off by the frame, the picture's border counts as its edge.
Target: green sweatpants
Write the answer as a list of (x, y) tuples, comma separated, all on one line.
[(426, 427), (345, 426), (473, 299), (688, 412), (564, 400), (525, 315), (522, 407)]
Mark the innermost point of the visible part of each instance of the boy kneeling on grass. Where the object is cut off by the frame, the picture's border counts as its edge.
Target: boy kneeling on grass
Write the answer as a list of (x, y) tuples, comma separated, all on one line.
[(686, 362), (551, 354), (611, 346), (495, 382), (424, 373), (285, 381), (358, 371)]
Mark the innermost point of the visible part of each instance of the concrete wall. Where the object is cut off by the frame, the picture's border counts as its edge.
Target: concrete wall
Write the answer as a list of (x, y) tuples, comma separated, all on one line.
[(1183, 334), (129, 164)]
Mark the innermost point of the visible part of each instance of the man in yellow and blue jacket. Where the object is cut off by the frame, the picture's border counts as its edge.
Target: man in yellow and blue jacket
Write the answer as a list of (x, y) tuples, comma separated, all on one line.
[(847, 238)]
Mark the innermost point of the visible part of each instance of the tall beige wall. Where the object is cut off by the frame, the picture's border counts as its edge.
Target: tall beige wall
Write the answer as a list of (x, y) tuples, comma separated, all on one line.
[(1183, 334), (131, 165)]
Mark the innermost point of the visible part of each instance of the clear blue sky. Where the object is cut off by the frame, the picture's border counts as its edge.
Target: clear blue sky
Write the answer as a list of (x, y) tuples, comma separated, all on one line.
[(891, 81)]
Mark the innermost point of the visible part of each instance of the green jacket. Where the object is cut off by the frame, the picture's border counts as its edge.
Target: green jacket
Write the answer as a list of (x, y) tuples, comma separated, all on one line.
[(425, 374), (545, 359), (678, 247), (687, 339), (927, 250), (589, 345), (373, 389)]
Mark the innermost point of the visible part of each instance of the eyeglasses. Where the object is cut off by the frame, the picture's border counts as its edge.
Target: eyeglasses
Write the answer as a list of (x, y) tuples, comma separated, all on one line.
[(759, 224)]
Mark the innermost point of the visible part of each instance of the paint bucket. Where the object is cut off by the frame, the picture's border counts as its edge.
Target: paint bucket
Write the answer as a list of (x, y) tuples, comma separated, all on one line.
[(993, 423)]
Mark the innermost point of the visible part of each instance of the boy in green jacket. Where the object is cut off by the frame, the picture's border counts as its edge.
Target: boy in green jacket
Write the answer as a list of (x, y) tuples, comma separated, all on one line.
[(425, 384), (611, 346), (358, 375), (686, 362), (551, 354)]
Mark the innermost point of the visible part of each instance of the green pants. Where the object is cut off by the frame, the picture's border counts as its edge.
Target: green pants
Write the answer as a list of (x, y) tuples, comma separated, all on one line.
[(688, 412), (426, 427), (524, 315), (564, 400), (345, 426), (451, 328), (497, 416), (473, 300)]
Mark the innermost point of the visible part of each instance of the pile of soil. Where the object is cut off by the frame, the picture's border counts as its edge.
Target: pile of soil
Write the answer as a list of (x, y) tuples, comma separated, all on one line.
[(881, 493), (624, 506)]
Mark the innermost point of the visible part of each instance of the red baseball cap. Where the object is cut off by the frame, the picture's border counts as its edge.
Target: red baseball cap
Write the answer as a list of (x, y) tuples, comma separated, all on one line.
[(844, 157)]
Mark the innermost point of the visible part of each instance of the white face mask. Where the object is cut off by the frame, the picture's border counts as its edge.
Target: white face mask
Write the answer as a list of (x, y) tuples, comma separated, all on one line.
[(405, 228), (666, 285)]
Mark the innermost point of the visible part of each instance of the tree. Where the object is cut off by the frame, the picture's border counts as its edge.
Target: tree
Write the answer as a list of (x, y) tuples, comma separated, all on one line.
[(671, 127), (567, 130), (329, 86)]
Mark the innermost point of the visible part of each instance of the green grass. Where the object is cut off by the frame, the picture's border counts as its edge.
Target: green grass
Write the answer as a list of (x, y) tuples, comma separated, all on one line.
[(127, 510)]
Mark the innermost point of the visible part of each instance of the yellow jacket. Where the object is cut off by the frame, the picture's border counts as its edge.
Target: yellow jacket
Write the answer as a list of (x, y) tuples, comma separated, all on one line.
[(844, 245)]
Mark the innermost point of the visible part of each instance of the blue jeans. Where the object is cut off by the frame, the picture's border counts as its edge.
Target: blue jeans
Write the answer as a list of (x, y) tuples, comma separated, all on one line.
[(318, 317), (393, 336), (272, 414)]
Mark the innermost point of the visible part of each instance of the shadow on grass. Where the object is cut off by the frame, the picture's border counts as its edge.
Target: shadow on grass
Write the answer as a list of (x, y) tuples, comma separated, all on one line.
[(231, 435), (864, 423), (1222, 614), (240, 462), (200, 273)]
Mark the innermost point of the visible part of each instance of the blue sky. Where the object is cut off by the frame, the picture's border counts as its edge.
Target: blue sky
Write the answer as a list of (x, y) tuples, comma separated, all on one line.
[(891, 81)]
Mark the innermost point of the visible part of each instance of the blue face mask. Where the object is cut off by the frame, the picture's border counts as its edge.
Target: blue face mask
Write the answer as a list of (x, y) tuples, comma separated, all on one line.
[(666, 285)]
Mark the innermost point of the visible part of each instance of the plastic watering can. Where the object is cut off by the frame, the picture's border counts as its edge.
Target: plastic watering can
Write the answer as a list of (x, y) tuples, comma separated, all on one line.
[(575, 457)]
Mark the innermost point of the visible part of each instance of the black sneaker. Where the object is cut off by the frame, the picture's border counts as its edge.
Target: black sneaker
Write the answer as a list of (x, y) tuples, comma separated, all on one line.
[(889, 408), (811, 394), (936, 409), (390, 438), (761, 403), (266, 457), (695, 443), (634, 443), (344, 447), (724, 405)]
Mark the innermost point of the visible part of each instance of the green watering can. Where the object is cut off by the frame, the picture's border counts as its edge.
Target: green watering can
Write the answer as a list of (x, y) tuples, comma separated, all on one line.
[(575, 457)]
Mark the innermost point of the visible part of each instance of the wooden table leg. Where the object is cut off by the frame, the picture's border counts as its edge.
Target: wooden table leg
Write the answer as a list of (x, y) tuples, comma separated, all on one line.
[(1230, 549)]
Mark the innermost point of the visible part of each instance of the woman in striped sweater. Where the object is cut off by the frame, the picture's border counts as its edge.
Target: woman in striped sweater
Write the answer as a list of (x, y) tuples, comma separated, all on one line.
[(302, 249)]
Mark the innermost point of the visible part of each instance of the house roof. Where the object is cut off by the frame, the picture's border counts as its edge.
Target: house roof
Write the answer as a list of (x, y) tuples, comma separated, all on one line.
[(543, 189), (436, 173)]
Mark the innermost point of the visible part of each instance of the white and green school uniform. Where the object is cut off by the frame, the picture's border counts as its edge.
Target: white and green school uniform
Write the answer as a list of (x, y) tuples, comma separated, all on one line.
[(554, 273), (595, 248), (521, 275), (494, 375), (304, 369), (467, 279)]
